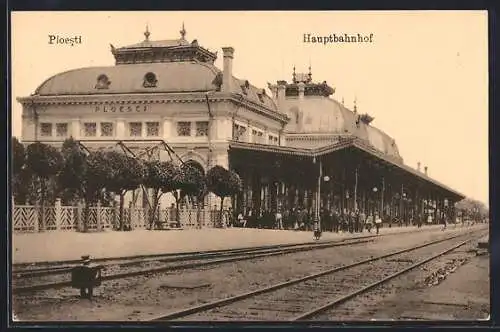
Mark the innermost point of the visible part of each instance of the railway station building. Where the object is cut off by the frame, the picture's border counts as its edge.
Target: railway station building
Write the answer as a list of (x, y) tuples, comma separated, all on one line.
[(292, 144)]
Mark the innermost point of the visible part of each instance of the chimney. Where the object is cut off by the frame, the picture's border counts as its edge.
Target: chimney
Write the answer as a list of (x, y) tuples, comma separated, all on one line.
[(302, 88), (418, 166), (281, 91), (227, 77), (274, 90), (425, 170)]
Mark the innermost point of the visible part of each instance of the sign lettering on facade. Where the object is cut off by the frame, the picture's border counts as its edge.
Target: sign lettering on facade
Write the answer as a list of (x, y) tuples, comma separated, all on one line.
[(121, 108)]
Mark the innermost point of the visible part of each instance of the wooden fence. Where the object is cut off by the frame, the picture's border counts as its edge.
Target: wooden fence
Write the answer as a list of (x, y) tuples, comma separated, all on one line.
[(28, 218)]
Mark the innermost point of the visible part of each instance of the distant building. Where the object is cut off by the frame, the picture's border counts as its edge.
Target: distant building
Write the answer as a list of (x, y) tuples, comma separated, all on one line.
[(295, 146)]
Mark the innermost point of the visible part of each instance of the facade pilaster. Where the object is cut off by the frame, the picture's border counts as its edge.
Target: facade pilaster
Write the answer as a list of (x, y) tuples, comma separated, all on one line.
[(120, 128), (75, 128)]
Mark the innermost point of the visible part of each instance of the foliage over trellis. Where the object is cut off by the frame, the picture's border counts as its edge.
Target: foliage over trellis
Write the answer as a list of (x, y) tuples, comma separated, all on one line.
[(192, 181), (73, 172), (124, 173), (43, 160), (223, 183), (77, 173), (18, 156), (96, 175), (162, 177), (20, 176)]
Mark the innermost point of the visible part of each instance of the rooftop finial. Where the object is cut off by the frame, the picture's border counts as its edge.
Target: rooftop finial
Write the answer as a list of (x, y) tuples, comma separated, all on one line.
[(310, 73), (294, 75), (355, 104), (146, 33), (183, 31), (342, 101)]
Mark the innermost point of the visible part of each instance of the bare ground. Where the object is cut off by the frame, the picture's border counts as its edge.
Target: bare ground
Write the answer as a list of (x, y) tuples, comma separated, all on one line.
[(454, 287), (141, 298)]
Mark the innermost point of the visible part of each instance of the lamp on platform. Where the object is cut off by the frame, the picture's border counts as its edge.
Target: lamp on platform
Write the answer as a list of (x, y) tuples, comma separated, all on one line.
[(326, 178), (375, 190)]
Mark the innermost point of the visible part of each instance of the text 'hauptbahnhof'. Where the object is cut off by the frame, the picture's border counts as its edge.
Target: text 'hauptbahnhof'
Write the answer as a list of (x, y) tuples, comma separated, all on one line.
[(294, 146)]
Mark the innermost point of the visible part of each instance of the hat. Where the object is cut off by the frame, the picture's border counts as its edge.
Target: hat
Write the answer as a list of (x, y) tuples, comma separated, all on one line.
[(86, 259)]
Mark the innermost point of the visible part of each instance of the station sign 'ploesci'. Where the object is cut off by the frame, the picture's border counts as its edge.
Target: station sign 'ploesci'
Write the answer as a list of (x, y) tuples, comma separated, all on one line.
[(121, 108)]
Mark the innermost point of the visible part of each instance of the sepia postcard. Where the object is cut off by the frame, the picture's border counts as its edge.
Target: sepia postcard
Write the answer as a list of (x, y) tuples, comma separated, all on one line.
[(250, 166)]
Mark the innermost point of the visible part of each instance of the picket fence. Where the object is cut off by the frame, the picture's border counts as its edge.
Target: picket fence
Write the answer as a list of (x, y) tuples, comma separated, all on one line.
[(28, 218)]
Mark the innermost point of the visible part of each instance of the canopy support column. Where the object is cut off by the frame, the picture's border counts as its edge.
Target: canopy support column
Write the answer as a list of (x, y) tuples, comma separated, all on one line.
[(356, 188)]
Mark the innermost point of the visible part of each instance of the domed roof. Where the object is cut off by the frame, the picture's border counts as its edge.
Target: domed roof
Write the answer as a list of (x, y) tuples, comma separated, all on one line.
[(168, 77), (163, 66), (131, 78), (321, 115)]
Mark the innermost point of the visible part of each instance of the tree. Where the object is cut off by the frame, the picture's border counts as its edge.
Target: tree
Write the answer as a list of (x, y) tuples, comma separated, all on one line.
[(96, 172), (223, 183), (72, 176), (18, 156), (162, 177), (19, 174), (192, 185), (126, 173), (44, 161), (192, 182), (471, 208)]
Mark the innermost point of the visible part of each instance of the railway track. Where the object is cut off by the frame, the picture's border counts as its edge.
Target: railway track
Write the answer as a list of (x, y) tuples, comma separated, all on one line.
[(307, 297), (39, 269), (28, 270), (24, 281)]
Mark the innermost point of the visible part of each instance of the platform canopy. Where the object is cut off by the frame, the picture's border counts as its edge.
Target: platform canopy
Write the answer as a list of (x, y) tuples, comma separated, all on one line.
[(352, 146)]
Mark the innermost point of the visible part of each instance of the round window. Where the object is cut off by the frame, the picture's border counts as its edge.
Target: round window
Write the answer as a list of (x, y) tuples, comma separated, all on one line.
[(150, 78), (102, 78)]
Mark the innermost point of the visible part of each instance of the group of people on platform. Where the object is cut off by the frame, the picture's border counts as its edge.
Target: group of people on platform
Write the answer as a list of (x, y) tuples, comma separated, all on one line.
[(303, 219), (333, 220)]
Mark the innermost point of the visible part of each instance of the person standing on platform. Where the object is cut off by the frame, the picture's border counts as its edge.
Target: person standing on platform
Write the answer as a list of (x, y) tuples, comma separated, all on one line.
[(286, 218), (352, 217), (378, 222), (362, 220), (258, 218), (369, 223), (307, 220), (345, 221), (325, 219), (241, 220), (293, 219), (230, 217), (336, 220), (357, 221), (443, 221), (279, 220), (300, 218), (251, 218)]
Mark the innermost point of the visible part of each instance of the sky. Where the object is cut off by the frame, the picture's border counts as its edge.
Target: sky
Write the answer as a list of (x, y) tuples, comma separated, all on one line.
[(424, 76)]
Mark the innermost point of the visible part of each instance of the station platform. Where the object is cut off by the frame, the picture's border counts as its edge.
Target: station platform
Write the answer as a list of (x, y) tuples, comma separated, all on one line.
[(55, 246)]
